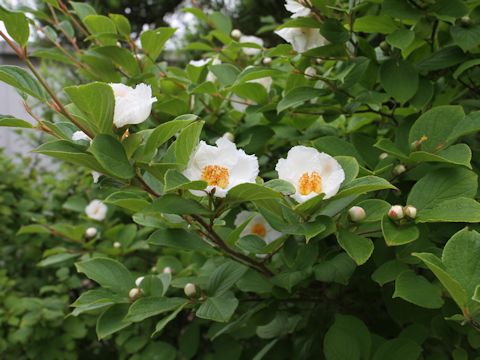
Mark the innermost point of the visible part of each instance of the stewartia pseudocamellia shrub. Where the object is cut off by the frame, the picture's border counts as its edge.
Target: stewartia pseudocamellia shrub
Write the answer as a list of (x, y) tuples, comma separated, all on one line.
[(313, 197)]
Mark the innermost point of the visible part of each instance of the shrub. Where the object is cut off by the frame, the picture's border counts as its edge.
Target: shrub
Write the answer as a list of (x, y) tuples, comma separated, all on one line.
[(330, 207)]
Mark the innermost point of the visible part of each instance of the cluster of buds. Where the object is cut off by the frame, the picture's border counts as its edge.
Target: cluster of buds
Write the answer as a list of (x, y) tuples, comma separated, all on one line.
[(136, 292), (397, 212)]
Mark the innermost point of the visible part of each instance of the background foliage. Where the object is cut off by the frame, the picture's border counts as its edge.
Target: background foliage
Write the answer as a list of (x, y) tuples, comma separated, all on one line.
[(393, 96)]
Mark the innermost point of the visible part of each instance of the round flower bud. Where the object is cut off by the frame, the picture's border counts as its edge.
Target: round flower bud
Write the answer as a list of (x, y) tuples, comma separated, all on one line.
[(190, 290), (139, 280), (236, 34), (410, 211), (399, 169), (91, 232), (395, 212), (117, 245), (357, 213), (310, 72), (167, 270), (267, 61), (466, 21), (383, 156), (154, 269), (134, 293), (318, 60), (229, 136)]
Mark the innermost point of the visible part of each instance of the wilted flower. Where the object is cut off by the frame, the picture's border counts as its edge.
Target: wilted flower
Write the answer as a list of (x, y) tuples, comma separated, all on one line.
[(80, 135), (190, 290), (357, 213), (256, 226), (298, 9), (396, 212), (311, 172), (222, 167), (302, 39), (132, 105), (410, 211), (96, 210), (90, 232), (254, 40)]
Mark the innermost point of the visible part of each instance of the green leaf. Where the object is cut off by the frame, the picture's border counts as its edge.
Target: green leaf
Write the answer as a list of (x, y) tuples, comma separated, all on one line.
[(122, 24), (224, 277), (187, 142), (226, 74), (347, 339), (396, 234), (9, 121), (174, 204), (96, 101), (112, 321), (108, 273), (58, 259), (82, 9), (465, 66), (281, 186), (443, 184), (99, 25), (459, 154), (334, 31), (175, 180), (375, 209), (456, 291), (252, 91), (162, 323), (251, 192), (33, 229), (388, 272), (467, 38), (338, 269), (221, 22), (398, 349), (178, 239), (133, 201), (22, 80), (153, 41), (218, 308), (16, 24), (401, 38), (146, 307), (417, 290), (454, 210), (399, 79), (357, 247), (297, 96), (363, 185), (461, 258), (121, 57), (382, 24), (165, 131), (111, 154)]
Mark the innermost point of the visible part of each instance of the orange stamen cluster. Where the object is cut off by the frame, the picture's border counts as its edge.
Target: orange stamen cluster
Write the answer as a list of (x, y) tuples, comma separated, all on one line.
[(216, 175), (309, 183), (259, 229)]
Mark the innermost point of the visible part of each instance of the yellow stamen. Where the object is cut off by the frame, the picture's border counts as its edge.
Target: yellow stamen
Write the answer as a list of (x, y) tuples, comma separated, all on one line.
[(216, 175), (310, 183), (259, 229)]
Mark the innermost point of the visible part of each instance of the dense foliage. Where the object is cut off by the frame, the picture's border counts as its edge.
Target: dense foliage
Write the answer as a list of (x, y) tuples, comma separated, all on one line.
[(315, 198)]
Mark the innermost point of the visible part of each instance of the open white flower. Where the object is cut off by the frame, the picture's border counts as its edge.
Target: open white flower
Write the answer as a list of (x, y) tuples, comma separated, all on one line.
[(222, 167), (298, 9), (80, 135), (256, 226), (96, 210), (302, 39), (311, 172), (132, 105), (254, 40), (241, 104)]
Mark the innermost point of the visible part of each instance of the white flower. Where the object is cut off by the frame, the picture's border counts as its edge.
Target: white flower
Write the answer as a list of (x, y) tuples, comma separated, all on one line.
[(251, 39), (199, 63), (396, 212), (297, 9), (222, 167), (302, 39), (357, 213), (80, 135), (96, 175), (96, 210), (210, 76), (311, 172), (241, 104), (90, 232), (256, 226), (310, 72), (190, 290), (132, 105)]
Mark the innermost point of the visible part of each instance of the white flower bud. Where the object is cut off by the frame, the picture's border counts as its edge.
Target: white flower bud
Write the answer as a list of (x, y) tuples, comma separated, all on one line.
[(357, 213), (117, 245), (267, 61), (139, 280), (310, 72), (167, 270), (190, 290), (96, 210), (153, 269), (318, 61), (383, 156), (91, 232), (236, 34), (132, 105), (395, 212), (410, 211), (134, 293), (399, 169), (229, 136), (80, 135)]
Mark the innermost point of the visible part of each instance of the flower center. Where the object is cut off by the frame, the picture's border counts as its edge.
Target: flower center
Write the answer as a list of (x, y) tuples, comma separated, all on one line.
[(215, 175), (309, 183), (259, 229)]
